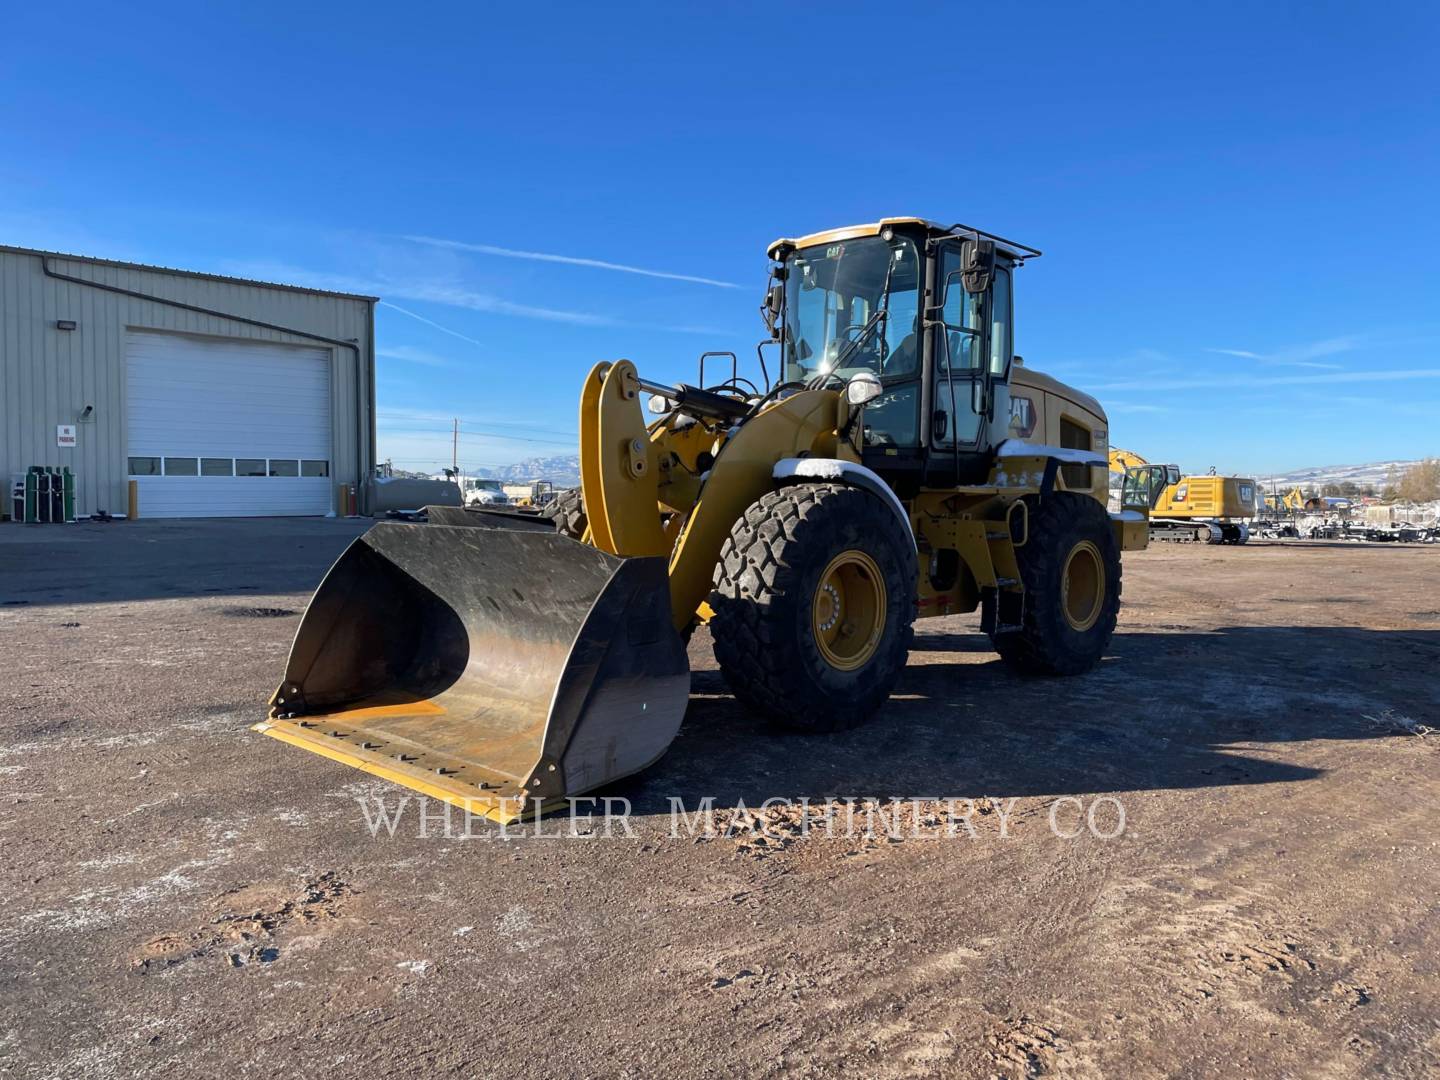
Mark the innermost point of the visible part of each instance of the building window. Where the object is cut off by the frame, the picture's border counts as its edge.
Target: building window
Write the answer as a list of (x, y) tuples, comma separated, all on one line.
[(249, 466), (217, 466), (314, 468), (284, 467), (144, 466), (182, 466)]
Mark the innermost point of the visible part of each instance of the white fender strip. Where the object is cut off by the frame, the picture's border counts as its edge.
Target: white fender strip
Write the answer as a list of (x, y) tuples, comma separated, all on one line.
[(1017, 448), (842, 472)]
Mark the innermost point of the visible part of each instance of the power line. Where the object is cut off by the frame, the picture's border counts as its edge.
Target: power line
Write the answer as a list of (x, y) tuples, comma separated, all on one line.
[(464, 420), (571, 441), (463, 465), (520, 438)]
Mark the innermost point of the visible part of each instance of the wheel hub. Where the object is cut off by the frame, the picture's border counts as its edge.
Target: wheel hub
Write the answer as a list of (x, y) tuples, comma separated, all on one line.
[(1082, 586), (848, 611), (827, 607)]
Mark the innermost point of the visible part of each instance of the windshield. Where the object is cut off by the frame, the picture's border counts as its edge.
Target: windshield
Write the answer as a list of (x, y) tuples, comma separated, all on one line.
[(855, 303)]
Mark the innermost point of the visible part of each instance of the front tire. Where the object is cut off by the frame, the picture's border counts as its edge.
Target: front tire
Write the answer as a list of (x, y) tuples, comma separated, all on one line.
[(567, 511), (814, 606), (1070, 567)]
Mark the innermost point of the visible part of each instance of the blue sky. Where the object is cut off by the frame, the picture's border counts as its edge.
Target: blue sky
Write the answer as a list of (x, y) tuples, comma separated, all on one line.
[(1239, 204)]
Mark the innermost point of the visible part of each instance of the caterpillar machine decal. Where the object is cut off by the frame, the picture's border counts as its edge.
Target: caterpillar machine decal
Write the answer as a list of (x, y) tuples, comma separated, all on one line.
[(503, 662)]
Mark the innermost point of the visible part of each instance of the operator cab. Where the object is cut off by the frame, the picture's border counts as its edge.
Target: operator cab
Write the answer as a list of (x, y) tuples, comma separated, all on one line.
[(1144, 484), (927, 310)]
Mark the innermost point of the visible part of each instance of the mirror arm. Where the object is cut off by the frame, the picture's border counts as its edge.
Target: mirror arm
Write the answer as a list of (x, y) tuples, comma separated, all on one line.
[(846, 433), (760, 355)]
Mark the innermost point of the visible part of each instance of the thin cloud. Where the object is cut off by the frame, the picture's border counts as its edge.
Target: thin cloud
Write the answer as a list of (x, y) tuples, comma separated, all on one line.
[(461, 297), (433, 292), (412, 355), (448, 294), (567, 260), (430, 292), (1230, 381), (430, 323), (1305, 356), (1123, 407)]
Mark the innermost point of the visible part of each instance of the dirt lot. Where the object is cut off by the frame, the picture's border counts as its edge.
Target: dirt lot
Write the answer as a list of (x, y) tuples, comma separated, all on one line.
[(182, 897)]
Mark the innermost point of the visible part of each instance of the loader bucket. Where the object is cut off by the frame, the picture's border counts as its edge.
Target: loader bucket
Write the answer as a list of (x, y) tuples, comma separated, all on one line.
[(490, 667)]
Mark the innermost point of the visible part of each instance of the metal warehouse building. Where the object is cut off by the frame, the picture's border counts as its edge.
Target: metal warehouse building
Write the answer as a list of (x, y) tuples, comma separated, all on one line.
[(218, 396)]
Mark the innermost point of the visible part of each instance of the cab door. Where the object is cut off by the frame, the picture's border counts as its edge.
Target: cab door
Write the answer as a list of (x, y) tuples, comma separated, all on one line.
[(970, 342), (1143, 486)]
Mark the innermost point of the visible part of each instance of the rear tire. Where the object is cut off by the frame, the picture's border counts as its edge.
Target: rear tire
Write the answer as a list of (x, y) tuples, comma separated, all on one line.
[(567, 511), (1070, 567), (814, 602)]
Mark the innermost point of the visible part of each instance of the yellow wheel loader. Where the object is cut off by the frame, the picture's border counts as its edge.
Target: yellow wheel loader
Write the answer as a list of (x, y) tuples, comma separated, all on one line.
[(502, 662)]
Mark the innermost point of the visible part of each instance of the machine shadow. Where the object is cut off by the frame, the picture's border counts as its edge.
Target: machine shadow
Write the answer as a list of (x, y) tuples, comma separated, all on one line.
[(1164, 711)]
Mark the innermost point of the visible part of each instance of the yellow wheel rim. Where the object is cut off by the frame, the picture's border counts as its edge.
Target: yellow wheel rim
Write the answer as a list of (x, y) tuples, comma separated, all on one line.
[(847, 615), (1082, 586)]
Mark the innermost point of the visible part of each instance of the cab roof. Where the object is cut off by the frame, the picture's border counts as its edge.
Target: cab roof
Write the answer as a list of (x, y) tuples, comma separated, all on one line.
[(1017, 251)]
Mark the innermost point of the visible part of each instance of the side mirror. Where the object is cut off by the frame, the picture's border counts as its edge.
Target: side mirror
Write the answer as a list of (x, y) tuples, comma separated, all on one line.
[(772, 307), (862, 387), (978, 262), (775, 298)]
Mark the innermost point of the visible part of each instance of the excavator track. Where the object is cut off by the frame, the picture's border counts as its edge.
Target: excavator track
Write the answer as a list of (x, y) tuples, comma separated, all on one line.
[(1181, 530)]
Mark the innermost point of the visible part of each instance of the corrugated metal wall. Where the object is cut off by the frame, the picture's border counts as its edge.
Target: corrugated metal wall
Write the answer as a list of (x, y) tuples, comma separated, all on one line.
[(48, 376)]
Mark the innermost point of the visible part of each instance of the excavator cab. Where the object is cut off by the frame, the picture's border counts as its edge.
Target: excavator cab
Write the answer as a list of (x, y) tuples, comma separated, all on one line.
[(1144, 484)]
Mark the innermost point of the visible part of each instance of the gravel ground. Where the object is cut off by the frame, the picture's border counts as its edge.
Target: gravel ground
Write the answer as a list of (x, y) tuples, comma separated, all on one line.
[(182, 897)]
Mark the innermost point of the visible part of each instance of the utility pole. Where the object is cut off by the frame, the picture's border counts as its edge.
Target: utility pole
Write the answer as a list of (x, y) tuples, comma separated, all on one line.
[(455, 447)]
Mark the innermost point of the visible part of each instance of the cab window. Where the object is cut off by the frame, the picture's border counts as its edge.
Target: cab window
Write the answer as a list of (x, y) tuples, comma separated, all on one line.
[(1075, 437), (957, 357), (852, 307), (1002, 340)]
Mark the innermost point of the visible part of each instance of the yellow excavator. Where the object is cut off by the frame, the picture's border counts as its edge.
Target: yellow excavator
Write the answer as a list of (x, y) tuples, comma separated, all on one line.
[(504, 662), (1293, 502), (1210, 509)]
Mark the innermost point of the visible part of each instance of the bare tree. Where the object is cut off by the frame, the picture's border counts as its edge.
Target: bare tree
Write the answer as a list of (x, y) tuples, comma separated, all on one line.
[(1421, 482)]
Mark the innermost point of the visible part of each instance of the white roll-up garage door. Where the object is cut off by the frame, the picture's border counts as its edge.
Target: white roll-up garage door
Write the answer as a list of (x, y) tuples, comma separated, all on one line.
[(224, 428)]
